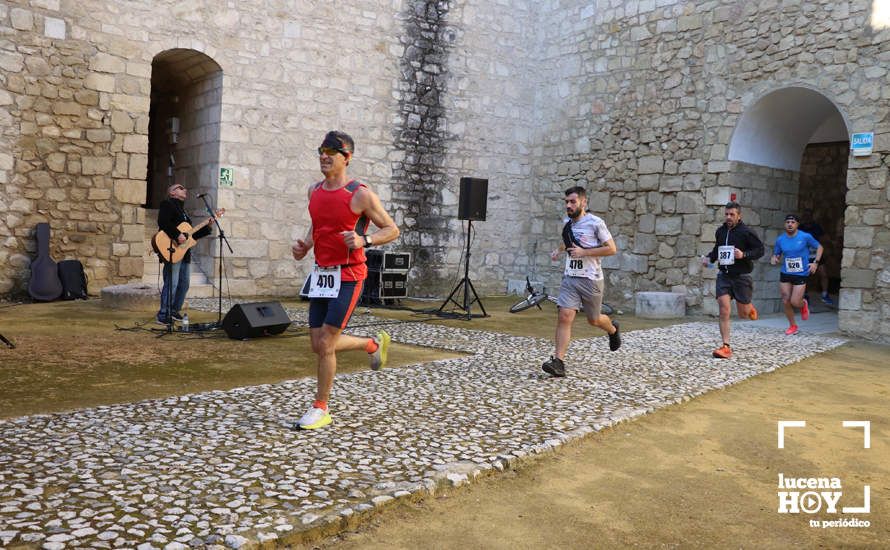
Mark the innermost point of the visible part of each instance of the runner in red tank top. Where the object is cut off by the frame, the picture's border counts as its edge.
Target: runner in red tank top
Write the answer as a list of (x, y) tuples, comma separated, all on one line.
[(340, 209)]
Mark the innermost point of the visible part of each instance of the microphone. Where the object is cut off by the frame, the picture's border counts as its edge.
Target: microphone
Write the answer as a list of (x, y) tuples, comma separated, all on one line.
[(202, 195)]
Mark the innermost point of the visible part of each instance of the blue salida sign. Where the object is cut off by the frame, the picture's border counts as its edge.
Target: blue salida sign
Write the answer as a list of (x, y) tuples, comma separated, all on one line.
[(861, 144)]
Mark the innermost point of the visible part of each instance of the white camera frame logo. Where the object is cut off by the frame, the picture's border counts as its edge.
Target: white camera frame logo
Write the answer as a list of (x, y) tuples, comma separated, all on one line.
[(811, 501)]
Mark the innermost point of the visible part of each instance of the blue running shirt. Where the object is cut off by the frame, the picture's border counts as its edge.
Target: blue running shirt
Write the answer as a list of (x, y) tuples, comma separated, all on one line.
[(795, 252)]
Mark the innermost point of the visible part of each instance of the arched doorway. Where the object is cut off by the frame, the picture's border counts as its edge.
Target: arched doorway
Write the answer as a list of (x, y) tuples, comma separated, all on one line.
[(790, 154), (184, 142)]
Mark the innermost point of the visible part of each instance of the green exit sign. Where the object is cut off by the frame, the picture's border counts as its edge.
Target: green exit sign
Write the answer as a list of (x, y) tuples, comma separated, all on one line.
[(226, 176)]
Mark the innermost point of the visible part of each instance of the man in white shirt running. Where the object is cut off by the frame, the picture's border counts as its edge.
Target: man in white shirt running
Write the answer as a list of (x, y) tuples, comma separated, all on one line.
[(586, 239)]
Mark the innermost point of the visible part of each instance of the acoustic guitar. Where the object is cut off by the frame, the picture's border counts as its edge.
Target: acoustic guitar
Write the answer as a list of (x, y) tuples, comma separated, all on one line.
[(161, 242)]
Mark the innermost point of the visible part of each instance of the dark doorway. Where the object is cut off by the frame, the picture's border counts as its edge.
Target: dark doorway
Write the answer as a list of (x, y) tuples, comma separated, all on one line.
[(822, 202), (184, 124)]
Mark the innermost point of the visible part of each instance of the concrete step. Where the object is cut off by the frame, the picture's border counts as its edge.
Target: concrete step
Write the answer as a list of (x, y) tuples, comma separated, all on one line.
[(198, 288), (151, 274)]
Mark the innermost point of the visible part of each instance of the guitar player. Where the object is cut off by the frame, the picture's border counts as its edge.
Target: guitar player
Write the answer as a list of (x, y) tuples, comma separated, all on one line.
[(176, 274)]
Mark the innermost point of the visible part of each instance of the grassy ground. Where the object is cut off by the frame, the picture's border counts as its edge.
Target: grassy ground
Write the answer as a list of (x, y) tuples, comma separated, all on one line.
[(71, 355), (78, 354)]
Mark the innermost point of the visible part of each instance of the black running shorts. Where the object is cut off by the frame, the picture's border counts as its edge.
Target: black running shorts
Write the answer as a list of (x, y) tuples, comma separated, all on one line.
[(739, 287), (795, 280)]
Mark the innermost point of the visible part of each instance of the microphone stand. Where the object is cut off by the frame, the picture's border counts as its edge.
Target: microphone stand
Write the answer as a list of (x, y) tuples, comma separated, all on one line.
[(9, 344), (222, 237)]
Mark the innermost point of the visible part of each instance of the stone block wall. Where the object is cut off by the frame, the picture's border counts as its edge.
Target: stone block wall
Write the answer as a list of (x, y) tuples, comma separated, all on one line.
[(639, 102), (197, 155), (60, 161), (865, 266), (823, 188)]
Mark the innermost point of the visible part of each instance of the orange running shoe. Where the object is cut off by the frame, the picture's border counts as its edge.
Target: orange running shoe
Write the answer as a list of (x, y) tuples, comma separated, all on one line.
[(753, 313), (723, 352), (805, 311), (791, 330)]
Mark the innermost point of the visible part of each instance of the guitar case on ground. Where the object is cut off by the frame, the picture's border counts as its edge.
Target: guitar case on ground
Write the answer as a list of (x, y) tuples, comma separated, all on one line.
[(44, 284), (74, 280)]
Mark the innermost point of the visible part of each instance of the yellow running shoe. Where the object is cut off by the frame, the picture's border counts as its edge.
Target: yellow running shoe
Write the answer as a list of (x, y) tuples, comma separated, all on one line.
[(378, 358), (314, 418)]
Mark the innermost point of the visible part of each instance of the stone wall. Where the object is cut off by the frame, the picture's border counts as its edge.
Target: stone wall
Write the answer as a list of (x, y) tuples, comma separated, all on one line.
[(421, 120), (461, 114), (61, 162), (823, 188), (637, 101), (639, 104), (865, 266)]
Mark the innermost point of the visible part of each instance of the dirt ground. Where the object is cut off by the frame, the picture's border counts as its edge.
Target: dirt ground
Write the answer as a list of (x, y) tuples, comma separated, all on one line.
[(699, 475)]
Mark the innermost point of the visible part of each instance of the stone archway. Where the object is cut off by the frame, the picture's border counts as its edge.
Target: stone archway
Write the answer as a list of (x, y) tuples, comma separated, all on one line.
[(789, 152), (184, 139)]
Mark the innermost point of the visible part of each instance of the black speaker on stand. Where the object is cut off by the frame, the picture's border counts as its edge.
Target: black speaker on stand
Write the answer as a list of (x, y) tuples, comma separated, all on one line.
[(472, 205)]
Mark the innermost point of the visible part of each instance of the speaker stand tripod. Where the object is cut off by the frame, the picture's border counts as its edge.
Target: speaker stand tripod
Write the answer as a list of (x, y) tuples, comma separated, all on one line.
[(467, 287)]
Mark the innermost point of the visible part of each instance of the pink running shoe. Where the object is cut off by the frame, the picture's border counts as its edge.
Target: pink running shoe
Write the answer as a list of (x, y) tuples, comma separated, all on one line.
[(791, 330), (805, 311)]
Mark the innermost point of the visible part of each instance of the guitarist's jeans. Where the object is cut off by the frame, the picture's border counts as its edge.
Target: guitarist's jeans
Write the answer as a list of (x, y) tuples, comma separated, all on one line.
[(179, 273)]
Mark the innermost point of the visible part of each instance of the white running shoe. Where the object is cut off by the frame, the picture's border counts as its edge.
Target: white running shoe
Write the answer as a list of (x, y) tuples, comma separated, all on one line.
[(314, 418)]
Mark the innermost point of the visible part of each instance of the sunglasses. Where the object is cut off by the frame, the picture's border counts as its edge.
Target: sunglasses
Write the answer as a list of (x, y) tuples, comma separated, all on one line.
[(330, 151)]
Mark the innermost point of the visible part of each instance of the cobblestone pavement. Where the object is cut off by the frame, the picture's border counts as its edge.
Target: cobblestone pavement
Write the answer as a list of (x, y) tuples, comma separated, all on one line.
[(224, 468)]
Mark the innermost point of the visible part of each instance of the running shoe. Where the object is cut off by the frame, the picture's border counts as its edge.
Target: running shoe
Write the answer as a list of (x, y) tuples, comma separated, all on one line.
[(314, 418), (615, 339), (378, 358), (826, 299), (554, 367), (791, 330), (753, 313), (805, 311), (723, 352)]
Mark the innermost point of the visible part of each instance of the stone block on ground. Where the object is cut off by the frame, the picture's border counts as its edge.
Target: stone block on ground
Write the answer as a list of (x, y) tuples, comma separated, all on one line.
[(133, 297), (660, 305)]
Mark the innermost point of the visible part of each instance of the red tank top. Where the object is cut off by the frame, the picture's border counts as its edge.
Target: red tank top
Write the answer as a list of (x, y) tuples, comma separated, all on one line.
[(331, 215)]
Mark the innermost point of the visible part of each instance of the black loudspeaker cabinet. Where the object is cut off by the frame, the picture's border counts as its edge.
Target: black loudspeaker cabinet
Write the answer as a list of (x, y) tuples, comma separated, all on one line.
[(379, 260), (254, 320), (473, 200)]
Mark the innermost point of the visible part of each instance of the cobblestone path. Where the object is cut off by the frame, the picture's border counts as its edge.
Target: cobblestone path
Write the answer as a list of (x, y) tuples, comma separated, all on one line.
[(224, 468)]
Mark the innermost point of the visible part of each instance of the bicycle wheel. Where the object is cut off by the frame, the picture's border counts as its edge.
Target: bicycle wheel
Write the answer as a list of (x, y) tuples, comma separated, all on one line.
[(523, 305)]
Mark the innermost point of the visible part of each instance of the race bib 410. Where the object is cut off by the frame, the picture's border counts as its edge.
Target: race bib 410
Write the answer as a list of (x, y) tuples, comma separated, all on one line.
[(324, 282)]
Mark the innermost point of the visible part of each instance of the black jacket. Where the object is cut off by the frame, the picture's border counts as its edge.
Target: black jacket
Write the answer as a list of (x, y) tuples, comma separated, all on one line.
[(171, 213), (742, 238)]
